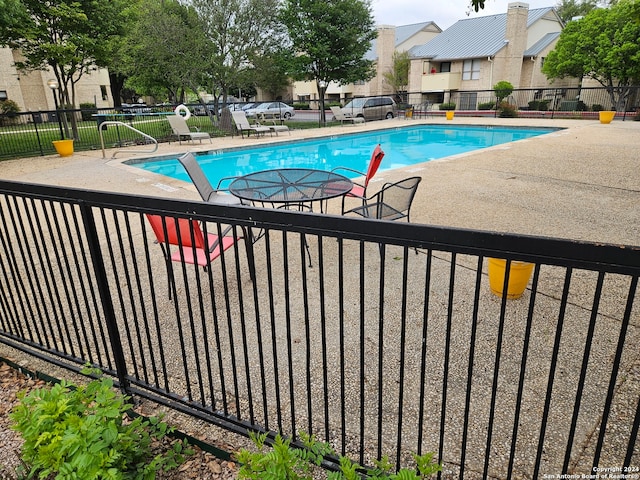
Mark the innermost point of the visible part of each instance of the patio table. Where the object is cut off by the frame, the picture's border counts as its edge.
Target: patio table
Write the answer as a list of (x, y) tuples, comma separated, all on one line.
[(291, 187), (299, 187)]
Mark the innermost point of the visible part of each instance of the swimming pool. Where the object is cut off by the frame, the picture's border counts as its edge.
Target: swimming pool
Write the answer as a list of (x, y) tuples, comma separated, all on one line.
[(403, 146)]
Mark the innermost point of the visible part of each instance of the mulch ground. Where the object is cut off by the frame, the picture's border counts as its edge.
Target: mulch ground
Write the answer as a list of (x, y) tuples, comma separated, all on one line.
[(200, 465)]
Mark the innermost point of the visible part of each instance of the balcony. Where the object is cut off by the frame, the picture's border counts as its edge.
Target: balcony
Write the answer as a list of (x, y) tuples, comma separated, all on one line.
[(440, 82)]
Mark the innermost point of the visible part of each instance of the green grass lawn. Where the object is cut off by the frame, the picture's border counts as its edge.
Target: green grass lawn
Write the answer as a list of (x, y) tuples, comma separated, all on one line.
[(34, 139)]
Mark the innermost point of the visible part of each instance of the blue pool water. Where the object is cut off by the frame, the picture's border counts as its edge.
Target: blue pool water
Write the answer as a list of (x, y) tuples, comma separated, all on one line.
[(403, 146)]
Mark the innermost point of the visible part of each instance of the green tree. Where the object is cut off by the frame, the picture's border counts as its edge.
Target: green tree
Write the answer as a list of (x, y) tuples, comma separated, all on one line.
[(239, 31), (270, 72), (330, 40), (603, 46), (165, 53), (11, 11), (568, 9), (398, 76), (67, 36), (477, 5), (502, 89), (116, 59)]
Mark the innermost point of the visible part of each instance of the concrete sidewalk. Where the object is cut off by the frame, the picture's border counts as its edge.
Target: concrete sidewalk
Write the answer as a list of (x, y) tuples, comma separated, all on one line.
[(582, 182)]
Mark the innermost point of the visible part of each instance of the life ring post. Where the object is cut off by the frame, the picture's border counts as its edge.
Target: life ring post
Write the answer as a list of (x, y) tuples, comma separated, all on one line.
[(183, 108)]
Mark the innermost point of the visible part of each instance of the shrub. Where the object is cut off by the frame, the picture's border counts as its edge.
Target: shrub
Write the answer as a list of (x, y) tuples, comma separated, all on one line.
[(88, 109), (596, 107), (540, 105), (80, 432), (486, 106), (285, 462), (8, 107), (447, 106), (507, 110), (502, 90), (301, 106)]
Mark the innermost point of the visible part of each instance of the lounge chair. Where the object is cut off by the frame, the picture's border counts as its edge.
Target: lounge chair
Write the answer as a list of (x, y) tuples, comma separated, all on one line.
[(180, 129), (273, 126), (338, 115), (243, 125), (199, 179)]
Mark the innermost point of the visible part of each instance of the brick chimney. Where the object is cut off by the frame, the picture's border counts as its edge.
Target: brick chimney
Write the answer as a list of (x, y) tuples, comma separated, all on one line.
[(516, 38)]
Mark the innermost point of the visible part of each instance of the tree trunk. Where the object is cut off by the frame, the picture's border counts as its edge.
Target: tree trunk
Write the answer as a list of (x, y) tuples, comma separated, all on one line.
[(117, 83)]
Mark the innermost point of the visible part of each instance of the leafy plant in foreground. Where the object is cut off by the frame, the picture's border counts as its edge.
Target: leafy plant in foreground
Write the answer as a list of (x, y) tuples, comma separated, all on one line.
[(284, 462), (73, 432)]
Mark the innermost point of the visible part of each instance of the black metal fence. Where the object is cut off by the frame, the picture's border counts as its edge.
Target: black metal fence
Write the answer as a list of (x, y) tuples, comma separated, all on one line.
[(31, 133), (374, 347), (579, 102)]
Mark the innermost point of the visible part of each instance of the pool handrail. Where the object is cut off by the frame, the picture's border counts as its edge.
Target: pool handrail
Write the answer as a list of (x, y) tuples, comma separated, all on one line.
[(113, 122)]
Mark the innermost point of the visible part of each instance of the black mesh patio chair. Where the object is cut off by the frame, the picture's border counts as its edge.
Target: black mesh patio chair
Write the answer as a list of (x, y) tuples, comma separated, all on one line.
[(392, 202)]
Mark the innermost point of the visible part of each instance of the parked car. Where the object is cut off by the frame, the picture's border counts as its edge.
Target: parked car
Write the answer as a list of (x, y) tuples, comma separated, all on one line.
[(200, 110), (272, 110), (373, 108), (135, 108)]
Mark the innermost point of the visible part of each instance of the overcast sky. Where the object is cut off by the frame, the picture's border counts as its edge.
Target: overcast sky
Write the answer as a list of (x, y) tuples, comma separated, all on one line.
[(443, 13)]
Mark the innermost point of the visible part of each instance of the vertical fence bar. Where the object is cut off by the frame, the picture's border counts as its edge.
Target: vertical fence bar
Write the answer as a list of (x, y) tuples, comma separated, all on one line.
[(472, 349), (423, 349), (447, 352), (615, 369), (523, 367), (97, 261), (496, 369), (583, 370), (552, 371)]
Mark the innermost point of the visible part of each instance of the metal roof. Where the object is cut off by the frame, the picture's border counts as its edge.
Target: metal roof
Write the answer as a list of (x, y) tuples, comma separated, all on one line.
[(403, 32), (541, 44), (472, 37)]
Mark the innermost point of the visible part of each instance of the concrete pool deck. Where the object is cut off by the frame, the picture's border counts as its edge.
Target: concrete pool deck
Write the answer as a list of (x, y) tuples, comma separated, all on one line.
[(582, 182)]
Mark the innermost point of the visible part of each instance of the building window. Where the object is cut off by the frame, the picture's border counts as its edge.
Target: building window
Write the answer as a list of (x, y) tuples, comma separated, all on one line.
[(468, 101), (471, 69), (542, 62), (103, 91), (3, 95), (445, 67)]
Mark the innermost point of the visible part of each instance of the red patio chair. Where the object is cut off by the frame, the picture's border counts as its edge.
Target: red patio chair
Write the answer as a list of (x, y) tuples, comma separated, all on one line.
[(193, 247), (360, 190)]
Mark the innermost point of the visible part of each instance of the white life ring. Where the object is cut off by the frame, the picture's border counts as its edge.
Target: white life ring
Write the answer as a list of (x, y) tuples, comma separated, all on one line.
[(183, 108)]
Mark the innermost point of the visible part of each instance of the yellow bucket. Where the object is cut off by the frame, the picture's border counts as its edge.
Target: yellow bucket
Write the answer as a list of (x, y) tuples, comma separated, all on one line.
[(606, 116), (449, 114), (519, 274), (64, 147)]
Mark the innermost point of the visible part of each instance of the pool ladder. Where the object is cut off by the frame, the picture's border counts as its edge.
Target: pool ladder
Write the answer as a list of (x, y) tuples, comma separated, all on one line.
[(122, 124)]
